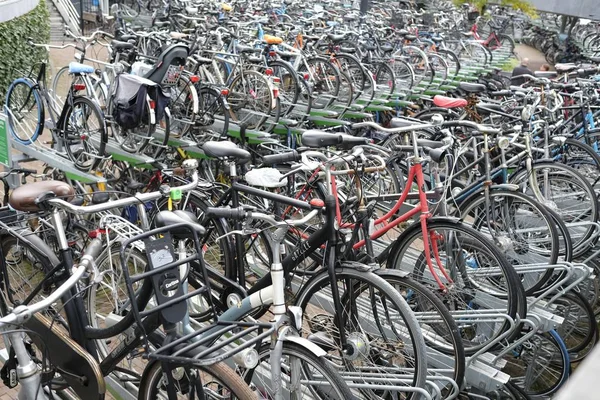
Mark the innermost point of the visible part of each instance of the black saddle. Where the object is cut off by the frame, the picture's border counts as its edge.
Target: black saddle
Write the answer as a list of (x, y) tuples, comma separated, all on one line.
[(472, 87)]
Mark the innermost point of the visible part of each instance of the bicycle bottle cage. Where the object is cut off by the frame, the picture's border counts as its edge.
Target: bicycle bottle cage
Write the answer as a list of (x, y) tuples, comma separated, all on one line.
[(202, 346), (169, 65)]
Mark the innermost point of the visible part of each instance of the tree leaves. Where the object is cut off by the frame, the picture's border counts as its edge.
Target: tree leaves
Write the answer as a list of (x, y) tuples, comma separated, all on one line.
[(521, 5), (16, 55)]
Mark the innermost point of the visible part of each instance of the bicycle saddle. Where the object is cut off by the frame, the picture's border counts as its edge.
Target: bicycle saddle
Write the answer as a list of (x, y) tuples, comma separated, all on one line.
[(118, 45), (401, 123), (225, 149), (449, 102), (168, 218), (76, 68), (246, 49), (336, 38), (471, 87), (546, 74), (566, 67), (24, 198)]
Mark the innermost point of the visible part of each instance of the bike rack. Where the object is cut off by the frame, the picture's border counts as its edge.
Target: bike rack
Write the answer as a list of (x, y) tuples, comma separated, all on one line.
[(54, 159), (113, 148), (189, 146)]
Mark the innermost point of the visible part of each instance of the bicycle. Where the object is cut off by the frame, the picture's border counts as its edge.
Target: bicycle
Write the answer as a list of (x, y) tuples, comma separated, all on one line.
[(78, 128)]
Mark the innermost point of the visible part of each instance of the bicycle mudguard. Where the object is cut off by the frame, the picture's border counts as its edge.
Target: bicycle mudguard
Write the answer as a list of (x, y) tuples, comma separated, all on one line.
[(77, 367)]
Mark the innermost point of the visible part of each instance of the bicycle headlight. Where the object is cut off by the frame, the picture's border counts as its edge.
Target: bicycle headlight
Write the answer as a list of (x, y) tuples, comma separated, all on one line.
[(503, 142), (247, 358)]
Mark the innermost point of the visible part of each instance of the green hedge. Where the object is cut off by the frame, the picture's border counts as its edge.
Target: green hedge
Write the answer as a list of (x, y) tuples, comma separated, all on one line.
[(16, 57)]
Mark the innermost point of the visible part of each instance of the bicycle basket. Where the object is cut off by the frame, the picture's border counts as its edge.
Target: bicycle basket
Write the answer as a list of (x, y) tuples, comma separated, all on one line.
[(216, 340)]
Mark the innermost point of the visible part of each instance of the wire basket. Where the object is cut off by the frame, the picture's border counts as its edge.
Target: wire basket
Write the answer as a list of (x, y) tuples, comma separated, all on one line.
[(214, 342)]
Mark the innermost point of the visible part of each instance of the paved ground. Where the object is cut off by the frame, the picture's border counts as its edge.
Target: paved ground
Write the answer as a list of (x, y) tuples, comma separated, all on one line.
[(536, 58)]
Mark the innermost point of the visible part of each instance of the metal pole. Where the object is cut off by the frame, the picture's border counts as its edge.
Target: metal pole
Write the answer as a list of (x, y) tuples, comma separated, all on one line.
[(81, 16), (364, 6)]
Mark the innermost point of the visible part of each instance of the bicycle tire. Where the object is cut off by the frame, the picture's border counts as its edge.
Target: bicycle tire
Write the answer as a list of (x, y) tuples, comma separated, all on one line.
[(314, 298), (475, 249), (240, 91), (213, 115), (226, 381), (349, 65), (569, 177), (17, 109), (181, 105), (507, 236), (308, 359), (289, 87), (323, 79), (578, 316), (433, 332), (522, 364), (84, 152)]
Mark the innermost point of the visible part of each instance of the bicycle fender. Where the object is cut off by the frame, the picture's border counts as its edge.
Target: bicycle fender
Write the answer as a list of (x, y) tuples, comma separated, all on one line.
[(307, 344)]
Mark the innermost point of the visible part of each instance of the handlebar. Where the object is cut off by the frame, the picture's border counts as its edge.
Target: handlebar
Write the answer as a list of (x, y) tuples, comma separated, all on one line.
[(143, 197), (446, 124)]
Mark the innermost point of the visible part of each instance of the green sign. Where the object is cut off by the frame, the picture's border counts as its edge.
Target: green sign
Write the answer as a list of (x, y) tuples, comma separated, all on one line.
[(4, 143)]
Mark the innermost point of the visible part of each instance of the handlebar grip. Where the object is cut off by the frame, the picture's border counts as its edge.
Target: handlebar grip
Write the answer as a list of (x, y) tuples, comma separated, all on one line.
[(350, 140), (272, 159), (226, 212)]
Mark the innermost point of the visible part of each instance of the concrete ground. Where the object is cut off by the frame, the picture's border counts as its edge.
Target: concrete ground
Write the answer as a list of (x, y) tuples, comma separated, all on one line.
[(536, 57)]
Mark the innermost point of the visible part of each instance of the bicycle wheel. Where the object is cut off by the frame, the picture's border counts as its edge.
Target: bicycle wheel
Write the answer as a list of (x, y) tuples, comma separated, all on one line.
[(109, 296), (84, 133), (540, 365), (304, 375), (289, 87), (216, 381), (25, 110), (522, 229), (568, 193), (385, 78), (378, 323), (474, 273), (439, 66), (404, 74), (353, 69), (323, 79), (129, 8), (582, 157), (439, 328), (579, 328), (61, 84), (25, 266), (452, 61), (346, 93), (250, 99), (181, 104), (213, 115)]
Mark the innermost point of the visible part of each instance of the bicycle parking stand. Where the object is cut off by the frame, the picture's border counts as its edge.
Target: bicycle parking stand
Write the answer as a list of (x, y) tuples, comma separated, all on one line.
[(134, 159), (189, 146), (52, 158)]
